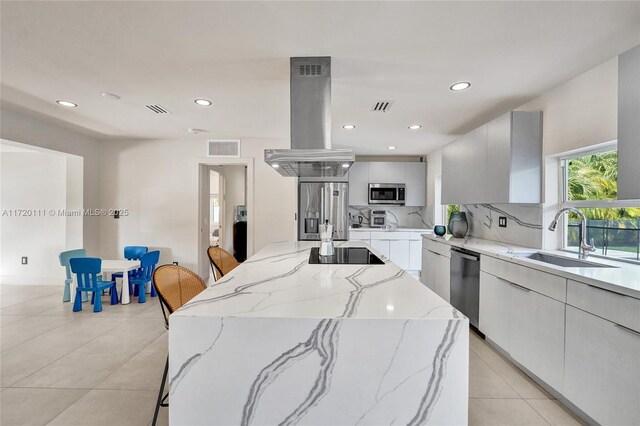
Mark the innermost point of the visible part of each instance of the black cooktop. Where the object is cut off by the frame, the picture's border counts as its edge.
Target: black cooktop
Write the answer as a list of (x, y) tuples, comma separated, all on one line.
[(345, 255)]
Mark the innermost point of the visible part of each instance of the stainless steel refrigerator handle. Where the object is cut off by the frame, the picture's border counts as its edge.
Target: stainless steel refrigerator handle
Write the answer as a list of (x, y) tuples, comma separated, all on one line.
[(322, 206)]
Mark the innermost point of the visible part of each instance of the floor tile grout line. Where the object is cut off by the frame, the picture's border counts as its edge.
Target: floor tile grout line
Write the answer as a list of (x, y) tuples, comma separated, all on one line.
[(114, 371), (499, 375), (34, 337), (73, 350), (27, 301), (539, 413), (86, 393)]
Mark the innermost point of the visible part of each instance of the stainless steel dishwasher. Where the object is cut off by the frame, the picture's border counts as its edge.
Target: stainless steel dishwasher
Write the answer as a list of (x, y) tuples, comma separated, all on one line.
[(465, 283)]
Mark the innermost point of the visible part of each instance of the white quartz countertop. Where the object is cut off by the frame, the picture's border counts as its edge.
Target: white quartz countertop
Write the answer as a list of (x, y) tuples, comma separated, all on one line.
[(623, 278), (279, 282), (398, 229)]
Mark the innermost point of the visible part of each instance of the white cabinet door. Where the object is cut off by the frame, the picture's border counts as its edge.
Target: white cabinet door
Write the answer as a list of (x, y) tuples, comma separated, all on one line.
[(382, 246), (494, 318), (416, 184), (454, 156), (424, 274), (399, 253), (440, 278), (537, 334), (602, 369), (387, 172), (498, 159), (415, 255), (475, 172), (359, 184)]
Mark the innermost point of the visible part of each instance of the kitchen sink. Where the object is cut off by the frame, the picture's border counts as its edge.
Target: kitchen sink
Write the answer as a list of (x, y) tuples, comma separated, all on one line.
[(564, 262)]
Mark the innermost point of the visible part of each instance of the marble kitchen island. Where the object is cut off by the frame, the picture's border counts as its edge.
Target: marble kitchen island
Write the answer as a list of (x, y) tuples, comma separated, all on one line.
[(280, 341)]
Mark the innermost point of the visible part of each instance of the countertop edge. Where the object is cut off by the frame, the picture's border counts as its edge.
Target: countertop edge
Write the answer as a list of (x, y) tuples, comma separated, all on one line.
[(509, 255)]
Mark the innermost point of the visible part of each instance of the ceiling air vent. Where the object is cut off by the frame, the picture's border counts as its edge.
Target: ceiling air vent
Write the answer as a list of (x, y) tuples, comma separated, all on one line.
[(223, 148), (158, 109), (310, 70), (382, 106)]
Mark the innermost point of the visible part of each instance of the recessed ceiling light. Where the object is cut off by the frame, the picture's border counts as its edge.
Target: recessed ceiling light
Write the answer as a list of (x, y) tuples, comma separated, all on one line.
[(391, 147), (346, 165), (462, 85), (203, 102), (111, 96), (67, 104), (275, 166), (414, 127), (349, 126)]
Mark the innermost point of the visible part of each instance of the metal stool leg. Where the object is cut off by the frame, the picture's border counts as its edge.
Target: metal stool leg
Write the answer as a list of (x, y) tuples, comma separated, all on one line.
[(160, 397)]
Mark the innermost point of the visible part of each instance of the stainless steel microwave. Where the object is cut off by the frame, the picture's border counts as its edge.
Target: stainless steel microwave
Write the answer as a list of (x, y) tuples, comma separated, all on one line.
[(391, 194)]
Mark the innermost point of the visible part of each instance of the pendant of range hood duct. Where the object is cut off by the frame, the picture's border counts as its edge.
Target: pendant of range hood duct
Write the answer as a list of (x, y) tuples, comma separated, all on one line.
[(310, 154)]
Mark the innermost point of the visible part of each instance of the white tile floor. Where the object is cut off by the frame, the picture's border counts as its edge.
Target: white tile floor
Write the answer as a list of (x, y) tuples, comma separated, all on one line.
[(65, 368)]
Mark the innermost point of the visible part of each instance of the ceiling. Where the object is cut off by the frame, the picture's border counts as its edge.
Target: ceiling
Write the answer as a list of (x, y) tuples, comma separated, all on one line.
[(237, 55)]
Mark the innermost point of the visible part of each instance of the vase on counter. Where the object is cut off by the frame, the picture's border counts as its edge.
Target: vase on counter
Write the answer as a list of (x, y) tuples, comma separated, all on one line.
[(458, 225)]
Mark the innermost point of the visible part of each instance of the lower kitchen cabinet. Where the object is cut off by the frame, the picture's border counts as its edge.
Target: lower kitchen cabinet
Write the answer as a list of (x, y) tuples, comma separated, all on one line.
[(415, 255), (602, 368), (404, 248), (399, 253), (537, 334), (435, 270), (527, 325), (382, 246), (495, 311)]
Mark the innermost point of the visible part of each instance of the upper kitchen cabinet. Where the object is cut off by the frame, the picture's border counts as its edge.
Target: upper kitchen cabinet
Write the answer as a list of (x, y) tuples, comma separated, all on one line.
[(386, 172), (412, 174), (629, 124), (416, 180), (500, 162), (359, 184)]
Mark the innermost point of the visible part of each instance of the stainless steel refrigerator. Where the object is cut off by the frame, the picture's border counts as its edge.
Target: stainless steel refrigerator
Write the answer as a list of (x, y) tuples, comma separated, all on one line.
[(319, 202)]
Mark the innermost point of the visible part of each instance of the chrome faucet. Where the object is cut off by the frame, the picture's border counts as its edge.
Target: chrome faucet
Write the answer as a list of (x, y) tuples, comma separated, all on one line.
[(585, 248)]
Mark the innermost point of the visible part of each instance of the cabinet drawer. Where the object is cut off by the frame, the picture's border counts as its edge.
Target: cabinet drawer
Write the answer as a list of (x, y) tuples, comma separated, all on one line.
[(436, 247), (359, 235), (394, 235), (615, 307), (538, 281)]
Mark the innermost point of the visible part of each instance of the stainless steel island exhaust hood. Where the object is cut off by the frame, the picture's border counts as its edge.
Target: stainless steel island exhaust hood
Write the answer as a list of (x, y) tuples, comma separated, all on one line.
[(310, 154)]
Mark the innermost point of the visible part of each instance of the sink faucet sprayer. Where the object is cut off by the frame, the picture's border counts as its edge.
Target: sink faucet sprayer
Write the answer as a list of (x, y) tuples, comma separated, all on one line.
[(585, 248)]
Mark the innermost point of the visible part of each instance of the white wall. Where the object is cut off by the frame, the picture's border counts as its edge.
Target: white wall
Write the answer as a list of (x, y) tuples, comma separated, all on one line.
[(38, 182), (18, 127), (158, 181)]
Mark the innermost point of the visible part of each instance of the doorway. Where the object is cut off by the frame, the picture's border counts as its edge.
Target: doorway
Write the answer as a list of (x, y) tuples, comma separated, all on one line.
[(225, 207)]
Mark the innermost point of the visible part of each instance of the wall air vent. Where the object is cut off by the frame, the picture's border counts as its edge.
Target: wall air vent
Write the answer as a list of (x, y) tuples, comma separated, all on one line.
[(382, 106), (310, 70), (223, 148), (158, 109)]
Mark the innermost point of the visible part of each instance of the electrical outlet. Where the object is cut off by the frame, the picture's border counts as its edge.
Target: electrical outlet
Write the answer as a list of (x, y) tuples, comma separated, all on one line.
[(502, 222), (25, 260)]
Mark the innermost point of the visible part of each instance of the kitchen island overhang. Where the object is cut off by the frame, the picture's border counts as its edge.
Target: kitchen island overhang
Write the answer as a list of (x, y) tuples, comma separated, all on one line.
[(279, 341)]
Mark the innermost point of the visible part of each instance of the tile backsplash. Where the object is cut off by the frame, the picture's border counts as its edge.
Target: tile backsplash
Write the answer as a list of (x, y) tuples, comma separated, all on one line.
[(412, 217), (524, 223)]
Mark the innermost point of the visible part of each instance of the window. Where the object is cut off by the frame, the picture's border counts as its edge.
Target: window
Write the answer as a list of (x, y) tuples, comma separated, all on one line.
[(590, 184), (452, 208)]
